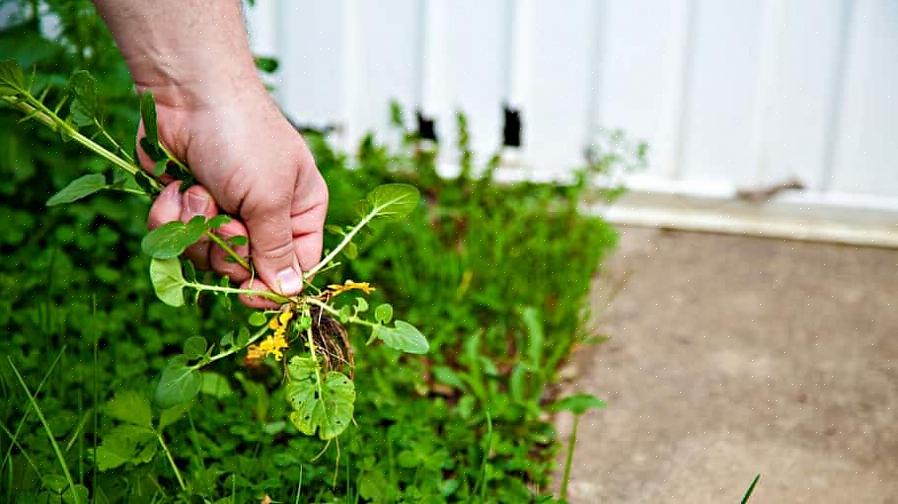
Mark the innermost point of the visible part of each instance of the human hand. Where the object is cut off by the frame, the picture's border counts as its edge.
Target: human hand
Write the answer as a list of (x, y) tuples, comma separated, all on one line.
[(251, 163)]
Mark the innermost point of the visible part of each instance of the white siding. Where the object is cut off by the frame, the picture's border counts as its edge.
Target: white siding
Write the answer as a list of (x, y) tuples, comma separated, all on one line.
[(727, 93)]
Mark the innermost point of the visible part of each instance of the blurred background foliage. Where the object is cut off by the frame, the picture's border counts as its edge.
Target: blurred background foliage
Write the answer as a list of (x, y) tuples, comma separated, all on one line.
[(495, 274)]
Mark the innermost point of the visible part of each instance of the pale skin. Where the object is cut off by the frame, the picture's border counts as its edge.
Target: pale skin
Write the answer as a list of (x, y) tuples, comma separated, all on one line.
[(215, 114)]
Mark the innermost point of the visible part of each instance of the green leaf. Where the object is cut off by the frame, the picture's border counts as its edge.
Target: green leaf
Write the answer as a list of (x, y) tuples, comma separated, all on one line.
[(125, 444), (79, 188), (215, 385), (361, 305), (83, 88), (403, 337), (266, 64), (171, 415), (130, 407), (326, 408), (195, 347), (171, 239), (393, 201), (75, 494), (150, 142), (218, 221), (257, 319), (12, 81), (178, 384), (578, 404), (383, 313), (168, 282)]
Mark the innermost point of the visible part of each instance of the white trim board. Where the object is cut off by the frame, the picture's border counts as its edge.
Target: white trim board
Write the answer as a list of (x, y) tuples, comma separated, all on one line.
[(776, 219)]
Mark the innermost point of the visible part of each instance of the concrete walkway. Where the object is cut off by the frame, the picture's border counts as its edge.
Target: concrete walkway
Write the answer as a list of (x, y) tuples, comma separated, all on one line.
[(731, 356)]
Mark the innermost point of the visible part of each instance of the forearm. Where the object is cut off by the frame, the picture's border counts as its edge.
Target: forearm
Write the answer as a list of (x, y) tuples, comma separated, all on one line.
[(188, 52)]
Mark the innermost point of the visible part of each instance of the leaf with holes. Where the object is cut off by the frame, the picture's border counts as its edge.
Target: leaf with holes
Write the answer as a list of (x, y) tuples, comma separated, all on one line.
[(323, 407)]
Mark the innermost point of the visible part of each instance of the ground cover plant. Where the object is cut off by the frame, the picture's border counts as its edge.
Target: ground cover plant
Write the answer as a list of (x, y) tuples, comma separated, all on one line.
[(494, 275)]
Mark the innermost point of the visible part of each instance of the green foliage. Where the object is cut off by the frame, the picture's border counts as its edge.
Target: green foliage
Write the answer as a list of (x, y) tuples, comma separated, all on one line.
[(495, 275), (172, 239), (79, 188)]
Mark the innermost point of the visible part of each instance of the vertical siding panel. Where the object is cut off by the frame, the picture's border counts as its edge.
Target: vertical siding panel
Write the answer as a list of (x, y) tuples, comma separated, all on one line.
[(384, 64), (556, 82), (722, 94), (795, 110), (312, 71), (464, 70), (642, 79), (866, 158)]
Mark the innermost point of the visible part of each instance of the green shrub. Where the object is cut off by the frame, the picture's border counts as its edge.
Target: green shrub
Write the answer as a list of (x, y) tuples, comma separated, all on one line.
[(495, 275)]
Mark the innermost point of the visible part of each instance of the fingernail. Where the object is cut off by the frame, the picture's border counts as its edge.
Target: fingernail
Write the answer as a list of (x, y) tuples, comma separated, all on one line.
[(289, 281), (197, 204)]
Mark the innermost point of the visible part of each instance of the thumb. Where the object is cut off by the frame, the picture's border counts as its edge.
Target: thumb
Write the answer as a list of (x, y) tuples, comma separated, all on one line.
[(271, 246)]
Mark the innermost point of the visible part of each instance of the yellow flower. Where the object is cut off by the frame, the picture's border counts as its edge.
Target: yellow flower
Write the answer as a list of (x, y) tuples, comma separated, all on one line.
[(272, 345), (350, 285)]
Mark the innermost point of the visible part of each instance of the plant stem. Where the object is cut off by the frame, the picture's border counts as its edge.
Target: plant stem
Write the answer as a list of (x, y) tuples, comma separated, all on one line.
[(569, 459), (330, 309), (227, 353), (346, 240), (40, 415), (227, 248), (171, 461), (33, 107), (271, 296)]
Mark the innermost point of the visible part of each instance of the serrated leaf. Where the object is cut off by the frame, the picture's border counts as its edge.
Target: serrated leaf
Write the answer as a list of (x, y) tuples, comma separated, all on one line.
[(125, 444), (168, 282), (326, 409), (11, 79), (83, 88), (578, 403), (393, 201), (383, 313), (403, 337), (172, 239), (130, 407), (178, 384), (79, 188)]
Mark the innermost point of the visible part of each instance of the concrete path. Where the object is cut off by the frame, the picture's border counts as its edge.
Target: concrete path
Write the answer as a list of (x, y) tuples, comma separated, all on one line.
[(731, 356)]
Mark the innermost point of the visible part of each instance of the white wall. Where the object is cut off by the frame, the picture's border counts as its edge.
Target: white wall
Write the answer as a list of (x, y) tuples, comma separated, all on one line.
[(727, 93)]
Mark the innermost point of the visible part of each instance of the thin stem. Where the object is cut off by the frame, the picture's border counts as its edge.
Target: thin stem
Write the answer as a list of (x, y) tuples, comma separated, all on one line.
[(569, 459), (35, 108), (271, 296), (111, 140), (171, 461), (346, 240), (227, 248), (40, 415), (333, 311), (232, 351)]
